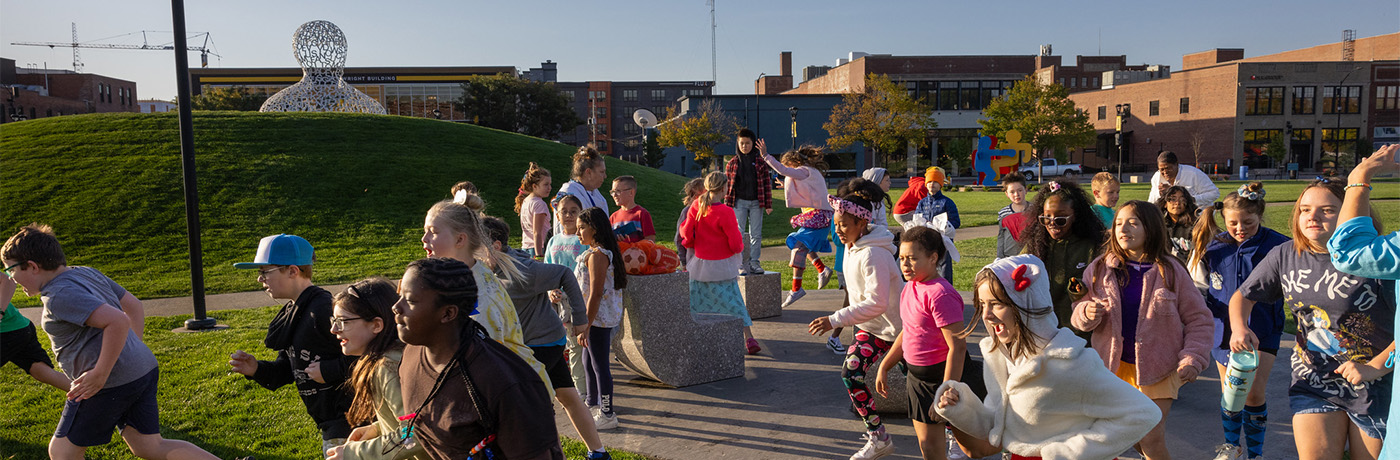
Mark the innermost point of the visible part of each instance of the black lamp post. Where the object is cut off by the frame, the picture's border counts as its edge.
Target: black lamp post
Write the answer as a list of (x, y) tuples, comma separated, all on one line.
[(793, 111), (1123, 111), (758, 107), (187, 166), (1339, 104)]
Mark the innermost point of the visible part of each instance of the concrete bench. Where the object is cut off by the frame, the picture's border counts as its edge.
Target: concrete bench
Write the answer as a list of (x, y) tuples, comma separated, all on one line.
[(660, 338), (762, 294), (898, 401)]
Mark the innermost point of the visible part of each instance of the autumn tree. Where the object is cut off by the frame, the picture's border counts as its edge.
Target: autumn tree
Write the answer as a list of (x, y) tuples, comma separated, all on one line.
[(227, 98), (1044, 114), (885, 118), (510, 103), (698, 130)]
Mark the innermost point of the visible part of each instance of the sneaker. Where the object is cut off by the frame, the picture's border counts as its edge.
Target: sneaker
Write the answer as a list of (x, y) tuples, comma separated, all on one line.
[(753, 346), (595, 455), (1228, 452), (836, 346), (824, 277), (874, 448), (755, 268), (605, 421), (793, 297), (955, 452)]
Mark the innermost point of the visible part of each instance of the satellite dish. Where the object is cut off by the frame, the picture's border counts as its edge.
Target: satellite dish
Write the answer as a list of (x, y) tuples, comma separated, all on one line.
[(644, 118)]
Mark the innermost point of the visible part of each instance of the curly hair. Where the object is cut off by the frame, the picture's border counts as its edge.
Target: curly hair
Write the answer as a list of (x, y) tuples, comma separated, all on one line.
[(807, 155), (1086, 225), (1190, 205)]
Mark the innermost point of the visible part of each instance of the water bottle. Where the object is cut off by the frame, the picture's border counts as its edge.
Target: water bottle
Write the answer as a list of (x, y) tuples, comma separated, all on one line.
[(1238, 379)]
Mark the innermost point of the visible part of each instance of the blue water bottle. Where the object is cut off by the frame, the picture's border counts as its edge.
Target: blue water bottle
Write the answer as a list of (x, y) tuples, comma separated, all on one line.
[(1236, 382)]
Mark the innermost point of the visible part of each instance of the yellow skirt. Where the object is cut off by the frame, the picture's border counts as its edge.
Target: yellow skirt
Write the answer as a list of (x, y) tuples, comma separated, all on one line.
[(1167, 388)]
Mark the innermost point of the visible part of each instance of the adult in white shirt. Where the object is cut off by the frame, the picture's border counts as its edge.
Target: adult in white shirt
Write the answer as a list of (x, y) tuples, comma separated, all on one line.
[(1170, 173), (588, 174)]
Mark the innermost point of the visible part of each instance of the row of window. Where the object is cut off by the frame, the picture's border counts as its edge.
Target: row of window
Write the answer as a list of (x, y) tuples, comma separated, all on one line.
[(957, 95), (104, 94), (1335, 100), (1265, 136), (1081, 82), (1154, 108), (630, 95)]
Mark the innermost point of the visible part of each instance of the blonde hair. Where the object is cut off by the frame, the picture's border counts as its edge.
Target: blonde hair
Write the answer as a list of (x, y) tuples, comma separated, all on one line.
[(533, 176), (692, 190), (714, 190), (1206, 229), (1102, 179), (462, 219)]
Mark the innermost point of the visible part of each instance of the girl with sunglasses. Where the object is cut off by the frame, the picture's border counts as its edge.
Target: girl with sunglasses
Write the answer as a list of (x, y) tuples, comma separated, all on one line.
[(1064, 233)]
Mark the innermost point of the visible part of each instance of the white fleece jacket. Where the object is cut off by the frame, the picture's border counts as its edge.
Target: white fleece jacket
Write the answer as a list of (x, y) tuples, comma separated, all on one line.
[(873, 284), (1061, 404)]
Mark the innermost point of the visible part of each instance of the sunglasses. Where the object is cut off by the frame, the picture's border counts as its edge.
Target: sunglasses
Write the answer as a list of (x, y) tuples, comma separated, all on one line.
[(1054, 221)]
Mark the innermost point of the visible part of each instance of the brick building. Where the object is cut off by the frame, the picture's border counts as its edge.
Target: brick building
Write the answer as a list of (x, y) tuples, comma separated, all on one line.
[(1221, 109), (36, 93), (606, 108)]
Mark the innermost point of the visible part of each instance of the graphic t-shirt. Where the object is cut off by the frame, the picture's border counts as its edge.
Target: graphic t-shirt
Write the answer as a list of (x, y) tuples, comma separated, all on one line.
[(632, 225), (1340, 318), (925, 307), (564, 250)]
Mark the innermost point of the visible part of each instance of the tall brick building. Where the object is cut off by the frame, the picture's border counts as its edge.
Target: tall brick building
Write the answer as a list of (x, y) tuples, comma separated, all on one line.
[(1221, 109), (35, 93)]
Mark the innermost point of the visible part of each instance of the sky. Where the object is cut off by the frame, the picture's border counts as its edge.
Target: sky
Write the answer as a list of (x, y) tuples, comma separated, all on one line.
[(631, 40)]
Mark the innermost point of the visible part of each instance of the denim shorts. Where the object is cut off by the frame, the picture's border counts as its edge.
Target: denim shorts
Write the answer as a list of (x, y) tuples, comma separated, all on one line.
[(1371, 425), (90, 422)]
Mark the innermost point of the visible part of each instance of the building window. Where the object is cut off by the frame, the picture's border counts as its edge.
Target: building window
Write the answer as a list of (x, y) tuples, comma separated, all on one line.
[(658, 95), (600, 112), (1255, 140), (1302, 135), (1341, 99), (947, 95), (1103, 112), (694, 92), (990, 91), (49, 113), (1060, 81), (1334, 140), (1154, 108), (1185, 105), (1387, 97), (1096, 82), (598, 95), (1073, 83), (1303, 99), (970, 100), (1263, 101), (629, 95)]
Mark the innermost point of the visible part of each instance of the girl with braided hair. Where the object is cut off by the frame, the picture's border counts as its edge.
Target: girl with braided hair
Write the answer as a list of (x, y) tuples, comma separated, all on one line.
[(468, 394)]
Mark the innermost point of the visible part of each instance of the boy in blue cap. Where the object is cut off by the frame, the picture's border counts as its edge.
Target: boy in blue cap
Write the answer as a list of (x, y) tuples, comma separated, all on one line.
[(308, 355), (89, 319)]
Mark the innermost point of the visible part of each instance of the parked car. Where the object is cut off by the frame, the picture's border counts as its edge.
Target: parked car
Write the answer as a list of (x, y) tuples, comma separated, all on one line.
[(1051, 168)]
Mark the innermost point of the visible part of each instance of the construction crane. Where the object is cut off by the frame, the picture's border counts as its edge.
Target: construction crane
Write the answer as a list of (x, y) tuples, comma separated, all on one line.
[(145, 45)]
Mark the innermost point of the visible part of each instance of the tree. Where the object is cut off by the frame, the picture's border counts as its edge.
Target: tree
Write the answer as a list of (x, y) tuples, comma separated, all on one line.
[(652, 153), (1044, 114), (885, 118), (510, 103), (960, 149), (228, 98), (697, 131), (1276, 150)]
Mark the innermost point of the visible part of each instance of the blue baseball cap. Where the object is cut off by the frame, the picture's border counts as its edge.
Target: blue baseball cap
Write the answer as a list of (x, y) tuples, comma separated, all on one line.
[(280, 249)]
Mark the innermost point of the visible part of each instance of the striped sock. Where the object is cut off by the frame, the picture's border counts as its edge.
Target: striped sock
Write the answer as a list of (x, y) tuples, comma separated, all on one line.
[(1256, 420), (1231, 422)]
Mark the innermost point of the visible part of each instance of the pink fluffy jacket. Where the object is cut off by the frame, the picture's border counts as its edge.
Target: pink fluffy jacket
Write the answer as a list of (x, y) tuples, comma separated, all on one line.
[(1174, 328)]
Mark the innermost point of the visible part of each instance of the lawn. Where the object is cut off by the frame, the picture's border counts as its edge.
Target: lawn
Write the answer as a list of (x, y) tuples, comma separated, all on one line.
[(200, 400)]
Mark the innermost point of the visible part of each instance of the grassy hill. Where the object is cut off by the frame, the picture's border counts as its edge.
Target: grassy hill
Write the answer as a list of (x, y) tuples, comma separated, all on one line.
[(356, 186)]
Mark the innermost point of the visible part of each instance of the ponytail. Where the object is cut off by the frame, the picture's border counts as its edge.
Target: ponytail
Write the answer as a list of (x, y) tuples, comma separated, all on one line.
[(1249, 198), (714, 185), (532, 177)]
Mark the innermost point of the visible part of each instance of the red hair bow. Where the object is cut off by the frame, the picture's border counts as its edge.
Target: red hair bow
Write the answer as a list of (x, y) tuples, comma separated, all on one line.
[(1019, 276)]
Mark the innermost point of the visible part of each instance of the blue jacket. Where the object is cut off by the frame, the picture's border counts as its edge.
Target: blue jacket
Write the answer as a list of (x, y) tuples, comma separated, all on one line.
[(938, 203), (1358, 249), (1227, 266)]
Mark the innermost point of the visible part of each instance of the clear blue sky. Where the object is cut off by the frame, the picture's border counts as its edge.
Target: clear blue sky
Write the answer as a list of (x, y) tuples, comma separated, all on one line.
[(670, 39)]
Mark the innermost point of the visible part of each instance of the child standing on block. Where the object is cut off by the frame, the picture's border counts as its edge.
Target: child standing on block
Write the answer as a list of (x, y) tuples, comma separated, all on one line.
[(1047, 395), (19, 342), (712, 233), (533, 211), (750, 193), (308, 355), (873, 291), (114, 375), (602, 278), (1149, 326), (631, 222), (1105, 188), (932, 313), (804, 188)]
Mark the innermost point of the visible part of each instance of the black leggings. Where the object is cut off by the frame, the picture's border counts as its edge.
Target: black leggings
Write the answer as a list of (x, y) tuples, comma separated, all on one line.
[(597, 368)]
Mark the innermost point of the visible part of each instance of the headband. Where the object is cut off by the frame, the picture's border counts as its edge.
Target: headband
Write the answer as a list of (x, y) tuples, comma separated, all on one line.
[(1245, 193), (845, 206)]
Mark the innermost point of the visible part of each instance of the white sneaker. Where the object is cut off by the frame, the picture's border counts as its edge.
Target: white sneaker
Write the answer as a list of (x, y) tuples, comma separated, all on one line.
[(834, 343), (605, 421), (793, 297), (824, 277), (874, 448), (955, 452), (755, 268), (1228, 452)]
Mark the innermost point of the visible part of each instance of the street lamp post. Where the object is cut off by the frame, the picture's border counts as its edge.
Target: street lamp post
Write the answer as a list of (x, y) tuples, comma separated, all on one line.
[(793, 111), (1123, 111), (1288, 144), (758, 107), (1338, 104)]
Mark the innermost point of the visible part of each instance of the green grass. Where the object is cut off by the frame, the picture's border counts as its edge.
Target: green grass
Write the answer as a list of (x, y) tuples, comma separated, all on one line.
[(356, 186), (200, 400)]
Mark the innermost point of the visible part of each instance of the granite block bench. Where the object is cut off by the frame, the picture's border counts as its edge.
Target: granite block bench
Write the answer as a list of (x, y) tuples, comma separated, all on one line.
[(660, 338), (762, 294)]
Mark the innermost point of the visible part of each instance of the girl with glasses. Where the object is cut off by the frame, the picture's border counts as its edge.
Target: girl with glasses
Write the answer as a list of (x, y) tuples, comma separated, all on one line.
[(1179, 214), (1063, 231)]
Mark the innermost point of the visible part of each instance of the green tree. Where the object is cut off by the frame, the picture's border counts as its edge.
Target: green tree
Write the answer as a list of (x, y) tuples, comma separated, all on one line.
[(961, 148), (698, 131), (652, 153), (510, 103), (1276, 150), (227, 98), (885, 118), (1044, 114)]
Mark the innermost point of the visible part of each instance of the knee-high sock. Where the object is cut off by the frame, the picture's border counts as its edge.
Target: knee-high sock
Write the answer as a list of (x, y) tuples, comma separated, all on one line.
[(1230, 423), (1256, 420)]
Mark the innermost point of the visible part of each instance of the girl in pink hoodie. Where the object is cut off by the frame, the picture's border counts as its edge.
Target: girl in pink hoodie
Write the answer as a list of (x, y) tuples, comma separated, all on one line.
[(1149, 325)]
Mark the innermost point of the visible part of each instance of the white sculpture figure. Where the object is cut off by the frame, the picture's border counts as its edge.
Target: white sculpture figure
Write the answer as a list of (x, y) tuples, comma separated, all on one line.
[(320, 48)]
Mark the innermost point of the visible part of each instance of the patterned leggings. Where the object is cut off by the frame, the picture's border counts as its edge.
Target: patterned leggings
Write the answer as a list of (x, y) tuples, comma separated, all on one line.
[(860, 358)]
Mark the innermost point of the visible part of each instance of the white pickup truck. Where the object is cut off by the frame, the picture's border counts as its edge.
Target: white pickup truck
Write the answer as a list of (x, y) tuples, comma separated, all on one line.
[(1051, 169)]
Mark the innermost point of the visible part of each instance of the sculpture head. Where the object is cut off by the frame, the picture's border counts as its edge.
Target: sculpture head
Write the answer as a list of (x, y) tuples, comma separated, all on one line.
[(320, 48)]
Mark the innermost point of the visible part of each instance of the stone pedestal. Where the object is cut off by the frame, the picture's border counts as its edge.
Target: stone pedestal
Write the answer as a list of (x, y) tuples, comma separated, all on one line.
[(662, 340), (898, 401), (762, 294)]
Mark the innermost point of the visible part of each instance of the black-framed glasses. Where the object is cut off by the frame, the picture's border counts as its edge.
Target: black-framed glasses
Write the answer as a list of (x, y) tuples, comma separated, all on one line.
[(264, 272), (1054, 221), (339, 323), (11, 269)]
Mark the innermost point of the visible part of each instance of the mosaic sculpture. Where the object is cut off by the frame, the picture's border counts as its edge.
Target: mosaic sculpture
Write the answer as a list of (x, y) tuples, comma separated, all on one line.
[(320, 48)]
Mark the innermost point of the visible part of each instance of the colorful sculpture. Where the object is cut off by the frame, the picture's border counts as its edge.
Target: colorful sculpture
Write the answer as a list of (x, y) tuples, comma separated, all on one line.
[(994, 159)]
